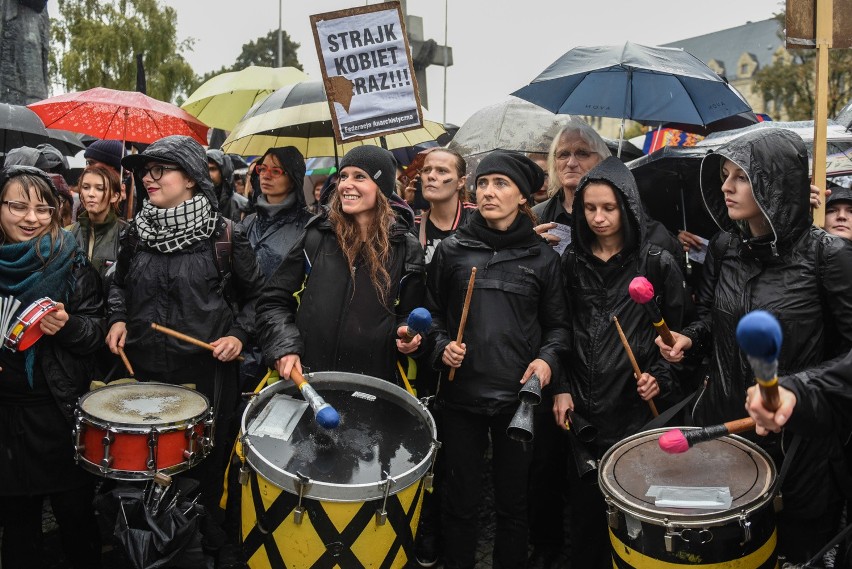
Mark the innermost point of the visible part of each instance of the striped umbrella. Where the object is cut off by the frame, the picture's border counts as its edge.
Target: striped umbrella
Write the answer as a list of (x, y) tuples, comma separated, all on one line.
[(298, 115)]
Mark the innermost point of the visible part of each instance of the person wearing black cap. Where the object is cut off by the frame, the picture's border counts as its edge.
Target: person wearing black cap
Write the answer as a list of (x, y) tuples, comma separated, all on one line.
[(516, 327), (39, 386), (170, 271), (838, 212), (339, 299), (231, 204)]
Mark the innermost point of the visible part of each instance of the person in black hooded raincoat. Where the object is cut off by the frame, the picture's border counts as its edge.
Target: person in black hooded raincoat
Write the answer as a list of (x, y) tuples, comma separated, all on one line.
[(169, 273), (610, 248), (769, 256), (339, 300), (231, 204)]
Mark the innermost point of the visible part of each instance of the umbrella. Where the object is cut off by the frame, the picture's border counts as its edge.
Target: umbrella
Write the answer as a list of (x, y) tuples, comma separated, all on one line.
[(118, 115), (650, 85), (223, 100), (19, 126), (844, 117), (298, 115)]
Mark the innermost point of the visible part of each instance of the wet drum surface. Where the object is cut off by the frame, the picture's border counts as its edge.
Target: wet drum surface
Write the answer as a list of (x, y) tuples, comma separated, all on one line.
[(143, 403)]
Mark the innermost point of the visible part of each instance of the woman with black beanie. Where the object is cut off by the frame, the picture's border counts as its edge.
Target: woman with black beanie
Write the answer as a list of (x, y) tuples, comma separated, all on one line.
[(516, 327)]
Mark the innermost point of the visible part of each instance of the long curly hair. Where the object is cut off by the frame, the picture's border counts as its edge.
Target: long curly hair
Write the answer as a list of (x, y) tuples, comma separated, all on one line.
[(375, 251)]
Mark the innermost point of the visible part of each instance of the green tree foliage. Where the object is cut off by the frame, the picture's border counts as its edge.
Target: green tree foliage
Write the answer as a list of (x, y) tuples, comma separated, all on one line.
[(263, 52), (791, 83), (94, 43)]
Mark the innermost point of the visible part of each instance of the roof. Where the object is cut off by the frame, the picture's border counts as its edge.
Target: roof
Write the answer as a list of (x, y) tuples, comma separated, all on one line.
[(726, 46)]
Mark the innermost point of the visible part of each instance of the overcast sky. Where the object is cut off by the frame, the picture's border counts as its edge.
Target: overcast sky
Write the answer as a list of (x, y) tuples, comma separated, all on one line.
[(498, 45)]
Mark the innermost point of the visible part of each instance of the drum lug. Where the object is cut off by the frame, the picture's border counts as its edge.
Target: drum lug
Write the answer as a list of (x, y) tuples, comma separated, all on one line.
[(108, 439), (78, 435), (209, 426), (189, 454), (382, 513), (244, 475), (778, 502), (153, 437), (429, 479), (301, 485), (668, 538), (746, 525), (611, 514)]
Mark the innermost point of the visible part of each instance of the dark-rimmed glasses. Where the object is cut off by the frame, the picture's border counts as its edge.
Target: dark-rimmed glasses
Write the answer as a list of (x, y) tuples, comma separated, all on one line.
[(156, 171), (20, 209)]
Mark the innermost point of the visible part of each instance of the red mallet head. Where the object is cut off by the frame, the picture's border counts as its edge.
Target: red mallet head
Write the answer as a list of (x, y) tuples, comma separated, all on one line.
[(641, 290), (673, 442)]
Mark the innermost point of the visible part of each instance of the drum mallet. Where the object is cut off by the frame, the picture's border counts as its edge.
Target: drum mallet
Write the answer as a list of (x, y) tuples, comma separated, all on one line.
[(419, 322), (677, 441), (326, 415), (633, 362), (183, 337), (642, 292), (463, 321)]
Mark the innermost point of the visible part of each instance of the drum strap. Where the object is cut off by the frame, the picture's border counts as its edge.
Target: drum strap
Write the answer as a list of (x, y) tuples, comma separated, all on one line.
[(405, 379), (663, 418), (788, 459)]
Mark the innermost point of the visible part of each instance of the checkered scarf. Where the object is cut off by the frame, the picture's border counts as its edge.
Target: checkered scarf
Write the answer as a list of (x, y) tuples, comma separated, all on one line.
[(171, 229)]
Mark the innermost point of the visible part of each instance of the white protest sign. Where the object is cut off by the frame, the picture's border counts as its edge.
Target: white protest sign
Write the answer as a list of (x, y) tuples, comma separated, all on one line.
[(367, 71)]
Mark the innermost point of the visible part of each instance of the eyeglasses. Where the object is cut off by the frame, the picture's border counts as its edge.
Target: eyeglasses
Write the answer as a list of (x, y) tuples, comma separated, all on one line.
[(273, 171), (20, 209), (156, 171)]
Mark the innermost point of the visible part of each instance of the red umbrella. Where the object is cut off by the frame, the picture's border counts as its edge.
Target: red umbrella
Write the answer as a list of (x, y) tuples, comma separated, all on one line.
[(118, 115)]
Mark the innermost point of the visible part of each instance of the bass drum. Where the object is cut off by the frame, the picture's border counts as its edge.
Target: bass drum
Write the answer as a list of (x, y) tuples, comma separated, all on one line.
[(347, 497), (643, 534)]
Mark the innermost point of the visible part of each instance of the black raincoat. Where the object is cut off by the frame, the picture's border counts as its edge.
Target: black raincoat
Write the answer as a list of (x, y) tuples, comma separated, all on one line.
[(599, 373)]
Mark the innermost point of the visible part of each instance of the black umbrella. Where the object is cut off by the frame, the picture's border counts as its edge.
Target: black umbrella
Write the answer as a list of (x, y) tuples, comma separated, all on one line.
[(19, 126)]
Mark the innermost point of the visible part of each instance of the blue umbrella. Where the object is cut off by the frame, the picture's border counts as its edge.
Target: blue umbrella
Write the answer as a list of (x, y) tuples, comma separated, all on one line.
[(650, 85)]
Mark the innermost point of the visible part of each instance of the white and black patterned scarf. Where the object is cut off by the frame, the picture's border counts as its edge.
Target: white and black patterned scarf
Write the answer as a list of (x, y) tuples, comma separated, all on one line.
[(171, 229)]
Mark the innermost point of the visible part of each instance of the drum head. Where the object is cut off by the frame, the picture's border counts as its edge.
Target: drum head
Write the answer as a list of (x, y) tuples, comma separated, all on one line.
[(635, 464), (144, 404), (383, 431)]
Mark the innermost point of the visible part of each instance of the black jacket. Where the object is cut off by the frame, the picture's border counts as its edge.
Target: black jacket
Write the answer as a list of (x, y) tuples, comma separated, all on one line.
[(231, 204), (517, 314), (183, 291), (599, 373), (798, 273), (309, 307)]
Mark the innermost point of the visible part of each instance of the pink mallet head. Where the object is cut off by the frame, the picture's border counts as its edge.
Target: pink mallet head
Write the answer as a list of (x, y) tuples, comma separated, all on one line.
[(641, 290), (673, 442)]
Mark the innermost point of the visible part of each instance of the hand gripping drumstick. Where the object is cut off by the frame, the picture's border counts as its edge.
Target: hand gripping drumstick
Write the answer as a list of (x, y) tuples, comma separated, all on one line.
[(642, 292), (326, 415), (185, 338), (464, 316), (630, 355), (419, 322), (677, 441)]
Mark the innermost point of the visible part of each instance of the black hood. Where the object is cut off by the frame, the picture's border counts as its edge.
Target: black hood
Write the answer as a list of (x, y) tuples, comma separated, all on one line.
[(776, 163), (613, 172), (223, 161), (293, 163), (182, 151)]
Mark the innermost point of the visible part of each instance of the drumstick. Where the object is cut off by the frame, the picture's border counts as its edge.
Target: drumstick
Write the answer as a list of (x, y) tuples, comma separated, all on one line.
[(676, 441), (126, 361), (630, 355), (463, 321), (188, 339), (326, 415)]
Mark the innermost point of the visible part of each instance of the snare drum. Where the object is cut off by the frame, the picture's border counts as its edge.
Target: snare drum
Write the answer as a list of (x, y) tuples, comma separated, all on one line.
[(134, 430), (26, 330), (347, 497), (642, 534)]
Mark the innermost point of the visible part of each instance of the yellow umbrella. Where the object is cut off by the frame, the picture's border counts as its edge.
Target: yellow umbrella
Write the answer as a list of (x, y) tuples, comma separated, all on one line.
[(298, 115), (223, 100)]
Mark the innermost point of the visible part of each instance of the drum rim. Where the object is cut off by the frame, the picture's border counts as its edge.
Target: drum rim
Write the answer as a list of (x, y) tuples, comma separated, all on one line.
[(327, 491), (132, 475), (164, 427), (33, 314), (710, 519)]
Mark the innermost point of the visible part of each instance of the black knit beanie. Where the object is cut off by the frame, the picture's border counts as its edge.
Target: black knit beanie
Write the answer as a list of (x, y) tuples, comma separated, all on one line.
[(107, 151), (526, 174), (377, 162)]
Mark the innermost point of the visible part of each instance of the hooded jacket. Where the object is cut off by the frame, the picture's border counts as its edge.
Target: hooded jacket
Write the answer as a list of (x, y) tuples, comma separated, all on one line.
[(599, 373), (799, 273), (310, 306), (517, 314), (231, 204), (272, 236)]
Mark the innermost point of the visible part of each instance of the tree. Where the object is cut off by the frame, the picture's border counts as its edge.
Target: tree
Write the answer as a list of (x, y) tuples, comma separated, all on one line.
[(94, 43), (263, 52), (790, 82)]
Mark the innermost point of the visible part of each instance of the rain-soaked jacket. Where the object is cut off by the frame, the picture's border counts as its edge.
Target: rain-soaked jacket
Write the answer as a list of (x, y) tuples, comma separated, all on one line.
[(310, 306), (599, 374), (799, 273), (231, 204)]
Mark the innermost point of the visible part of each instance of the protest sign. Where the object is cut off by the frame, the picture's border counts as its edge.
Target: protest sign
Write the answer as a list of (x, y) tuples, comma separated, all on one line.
[(367, 71)]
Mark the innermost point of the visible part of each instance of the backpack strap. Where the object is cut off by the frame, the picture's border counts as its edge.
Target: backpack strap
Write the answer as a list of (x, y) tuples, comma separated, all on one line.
[(223, 251), (313, 239)]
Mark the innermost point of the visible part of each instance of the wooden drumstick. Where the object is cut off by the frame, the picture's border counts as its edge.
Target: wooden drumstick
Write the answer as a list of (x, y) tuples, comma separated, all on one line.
[(126, 361), (630, 355), (463, 321), (183, 337)]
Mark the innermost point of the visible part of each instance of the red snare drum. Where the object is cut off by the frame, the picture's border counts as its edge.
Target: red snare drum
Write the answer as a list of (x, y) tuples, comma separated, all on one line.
[(26, 330), (134, 430)]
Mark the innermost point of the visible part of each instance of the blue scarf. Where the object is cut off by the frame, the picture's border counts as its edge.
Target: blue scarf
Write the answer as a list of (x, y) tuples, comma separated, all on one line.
[(24, 274)]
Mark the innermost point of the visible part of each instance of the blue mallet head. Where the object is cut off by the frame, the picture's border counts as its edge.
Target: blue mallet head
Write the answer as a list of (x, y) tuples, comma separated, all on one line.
[(759, 335), (328, 417), (419, 321)]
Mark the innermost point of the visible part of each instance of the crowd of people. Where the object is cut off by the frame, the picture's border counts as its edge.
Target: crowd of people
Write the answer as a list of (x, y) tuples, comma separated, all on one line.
[(328, 286)]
